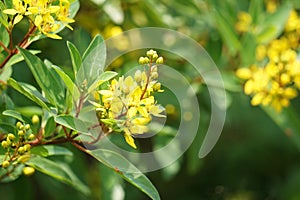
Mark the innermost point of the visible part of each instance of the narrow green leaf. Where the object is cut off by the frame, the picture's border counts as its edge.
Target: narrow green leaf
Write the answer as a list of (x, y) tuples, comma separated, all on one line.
[(47, 79), (18, 58), (14, 114), (227, 32), (68, 82), (105, 76), (93, 62), (4, 35), (73, 123), (75, 57), (29, 111), (248, 54), (5, 73), (273, 24), (50, 126), (57, 171), (28, 91), (51, 150), (256, 10), (126, 170), (3, 16), (114, 10)]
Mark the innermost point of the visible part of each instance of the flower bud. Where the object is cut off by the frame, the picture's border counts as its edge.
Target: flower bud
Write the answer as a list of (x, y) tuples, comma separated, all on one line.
[(155, 56), (141, 60), (5, 164), (150, 53), (21, 150), (154, 68), (28, 171), (160, 60), (154, 75), (23, 158), (156, 86), (21, 133), (35, 119), (31, 137), (26, 147), (18, 125), (11, 136), (138, 76), (4, 144), (27, 127)]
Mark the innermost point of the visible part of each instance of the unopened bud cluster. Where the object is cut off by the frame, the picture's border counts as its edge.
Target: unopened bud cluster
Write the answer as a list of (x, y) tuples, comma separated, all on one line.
[(152, 57), (16, 145)]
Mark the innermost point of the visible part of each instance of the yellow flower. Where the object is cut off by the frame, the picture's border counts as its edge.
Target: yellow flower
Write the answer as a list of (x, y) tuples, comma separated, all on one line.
[(43, 14), (130, 101), (244, 22)]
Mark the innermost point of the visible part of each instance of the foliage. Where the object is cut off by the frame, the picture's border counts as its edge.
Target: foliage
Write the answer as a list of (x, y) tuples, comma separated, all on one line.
[(45, 106)]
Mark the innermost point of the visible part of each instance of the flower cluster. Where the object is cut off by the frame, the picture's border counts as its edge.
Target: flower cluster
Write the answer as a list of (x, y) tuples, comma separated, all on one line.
[(46, 15), (129, 101), (17, 147), (275, 78)]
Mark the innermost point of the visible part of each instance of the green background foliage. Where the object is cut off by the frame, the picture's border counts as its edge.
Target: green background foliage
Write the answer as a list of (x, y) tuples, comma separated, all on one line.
[(257, 155)]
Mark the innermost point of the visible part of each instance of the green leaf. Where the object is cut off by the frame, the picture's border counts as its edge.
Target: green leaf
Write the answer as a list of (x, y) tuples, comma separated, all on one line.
[(256, 10), (273, 24), (18, 58), (248, 54), (14, 114), (50, 126), (73, 123), (68, 82), (28, 91), (46, 79), (120, 165), (227, 32), (51, 150), (57, 171), (113, 9), (3, 16), (75, 57), (5, 73), (287, 120), (4, 35), (28, 111), (105, 76), (93, 62)]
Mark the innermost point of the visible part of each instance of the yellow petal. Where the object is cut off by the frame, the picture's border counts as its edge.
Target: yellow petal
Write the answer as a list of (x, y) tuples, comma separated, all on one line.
[(131, 112), (54, 9), (141, 120), (138, 129), (106, 93), (54, 36), (129, 140), (33, 10), (18, 18), (10, 11), (143, 111), (38, 20)]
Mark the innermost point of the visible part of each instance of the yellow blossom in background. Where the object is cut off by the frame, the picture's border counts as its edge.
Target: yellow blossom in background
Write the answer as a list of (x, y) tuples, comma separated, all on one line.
[(46, 15), (244, 22), (129, 100), (271, 5), (275, 79)]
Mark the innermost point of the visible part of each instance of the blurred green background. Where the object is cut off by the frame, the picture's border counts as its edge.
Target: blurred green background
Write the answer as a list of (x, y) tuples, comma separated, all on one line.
[(253, 158)]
